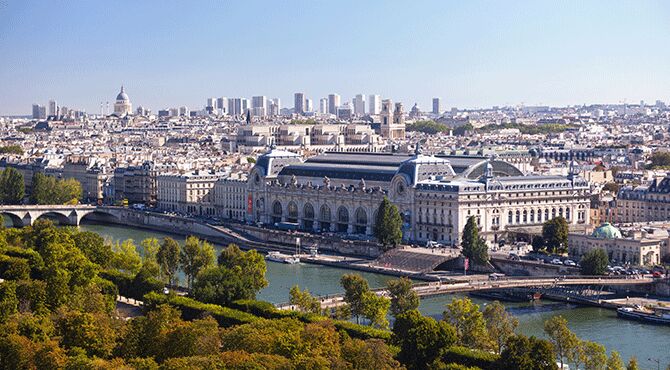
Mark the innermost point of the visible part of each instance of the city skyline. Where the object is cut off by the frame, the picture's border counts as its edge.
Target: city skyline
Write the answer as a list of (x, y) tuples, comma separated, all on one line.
[(534, 54)]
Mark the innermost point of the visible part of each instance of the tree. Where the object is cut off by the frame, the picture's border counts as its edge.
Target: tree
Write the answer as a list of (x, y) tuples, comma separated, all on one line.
[(49, 190), (195, 256), (149, 247), (403, 297), (564, 340), (126, 258), (239, 275), (304, 300), (368, 354), (555, 234), (499, 324), (94, 247), (469, 322), (8, 300), (593, 355), (659, 160), (12, 188), (474, 247), (524, 353), (538, 243), (168, 258), (594, 262), (375, 309), (632, 364), (355, 287), (388, 225), (614, 362), (421, 339)]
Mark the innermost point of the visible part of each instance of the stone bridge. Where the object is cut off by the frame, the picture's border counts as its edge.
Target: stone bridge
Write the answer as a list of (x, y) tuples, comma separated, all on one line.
[(26, 215)]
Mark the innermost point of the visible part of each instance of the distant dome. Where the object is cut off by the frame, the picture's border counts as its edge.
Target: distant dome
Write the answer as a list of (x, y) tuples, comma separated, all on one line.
[(606, 231), (122, 96)]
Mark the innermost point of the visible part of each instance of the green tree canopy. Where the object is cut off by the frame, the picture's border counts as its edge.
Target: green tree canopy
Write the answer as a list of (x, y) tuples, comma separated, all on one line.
[(474, 247), (375, 309), (555, 234), (12, 188), (388, 225), (49, 190), (659, 160), (355, 287), (403, 298), (11, 149), (594, 262), (421, 339), (465, 316), (304, 300), (169, 258), (563, 339), (614, 362), (499, 324), (126, 258), (524, 353), (195, 256), (238, 275)]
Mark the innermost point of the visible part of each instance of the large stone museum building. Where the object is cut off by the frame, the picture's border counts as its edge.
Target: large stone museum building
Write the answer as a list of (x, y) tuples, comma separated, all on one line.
[(341, 192)]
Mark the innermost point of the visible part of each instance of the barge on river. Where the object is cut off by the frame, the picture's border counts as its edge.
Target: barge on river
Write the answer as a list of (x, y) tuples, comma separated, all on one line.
[(657, 315)]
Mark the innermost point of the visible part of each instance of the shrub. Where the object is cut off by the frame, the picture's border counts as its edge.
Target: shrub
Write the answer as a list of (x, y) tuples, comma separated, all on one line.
[(192, 309), (470, 357)]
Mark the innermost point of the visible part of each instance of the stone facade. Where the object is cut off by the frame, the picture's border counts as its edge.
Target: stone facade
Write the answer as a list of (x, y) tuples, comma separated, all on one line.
[(644, 203)]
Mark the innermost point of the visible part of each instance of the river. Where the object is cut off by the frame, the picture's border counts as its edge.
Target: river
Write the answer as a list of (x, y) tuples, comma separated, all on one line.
[(629, 338)]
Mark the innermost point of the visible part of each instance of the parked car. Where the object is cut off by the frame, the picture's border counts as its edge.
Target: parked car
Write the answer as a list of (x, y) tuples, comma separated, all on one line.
[(556, 261), (657, 274), (569, 263)]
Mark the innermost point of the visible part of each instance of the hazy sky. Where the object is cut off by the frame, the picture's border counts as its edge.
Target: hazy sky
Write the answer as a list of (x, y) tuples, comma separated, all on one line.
[(469, 53)]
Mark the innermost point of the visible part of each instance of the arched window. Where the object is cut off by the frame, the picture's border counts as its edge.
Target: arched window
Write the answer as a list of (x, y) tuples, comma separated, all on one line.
[(292, 212), (308, 216), (276, 211), (560, 212), (518, 216), (546, 214), (308, 211), (553, 213), (567, 214), (525, 216), (509, 217), (325, 217), (342, 219), (532, 215), (361, 221)]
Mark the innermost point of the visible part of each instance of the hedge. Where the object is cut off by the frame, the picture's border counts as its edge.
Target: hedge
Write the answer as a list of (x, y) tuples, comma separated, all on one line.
[(192, 309), (471, 357), (269, 311)]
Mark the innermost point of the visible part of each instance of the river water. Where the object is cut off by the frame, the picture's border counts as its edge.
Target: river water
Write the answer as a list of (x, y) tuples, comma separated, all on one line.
[(630, 338)]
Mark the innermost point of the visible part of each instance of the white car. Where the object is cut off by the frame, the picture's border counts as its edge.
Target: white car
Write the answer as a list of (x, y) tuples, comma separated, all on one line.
[(569, 263), (556, 261)]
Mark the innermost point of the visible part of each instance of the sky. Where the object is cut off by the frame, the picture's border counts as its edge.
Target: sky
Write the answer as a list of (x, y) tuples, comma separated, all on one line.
[(471, 53)]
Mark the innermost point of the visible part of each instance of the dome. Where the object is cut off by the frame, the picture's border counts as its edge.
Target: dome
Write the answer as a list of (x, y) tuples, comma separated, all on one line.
[(606, 231), (122, 96)]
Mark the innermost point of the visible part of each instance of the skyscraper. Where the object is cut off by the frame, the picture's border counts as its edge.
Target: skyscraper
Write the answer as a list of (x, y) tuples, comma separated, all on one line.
[(258, 102), (273, 107), (333, 103), (375, 104), (211, 103), (309, 106), (299, 103), (436, 106), (39, 111), (359, 105), (222, 105), (323, 106), (53, 108)]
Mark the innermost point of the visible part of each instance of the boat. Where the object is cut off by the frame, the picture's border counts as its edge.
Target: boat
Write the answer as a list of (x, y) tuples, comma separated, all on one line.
[(656, 315), (281, 257)]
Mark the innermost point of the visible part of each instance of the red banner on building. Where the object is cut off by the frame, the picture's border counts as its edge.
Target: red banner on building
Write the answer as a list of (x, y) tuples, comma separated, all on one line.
[(250, 204)]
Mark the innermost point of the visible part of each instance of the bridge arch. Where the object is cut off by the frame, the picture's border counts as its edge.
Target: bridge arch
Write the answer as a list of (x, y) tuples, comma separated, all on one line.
[(61, 218), (16, 220), (99, 216)]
